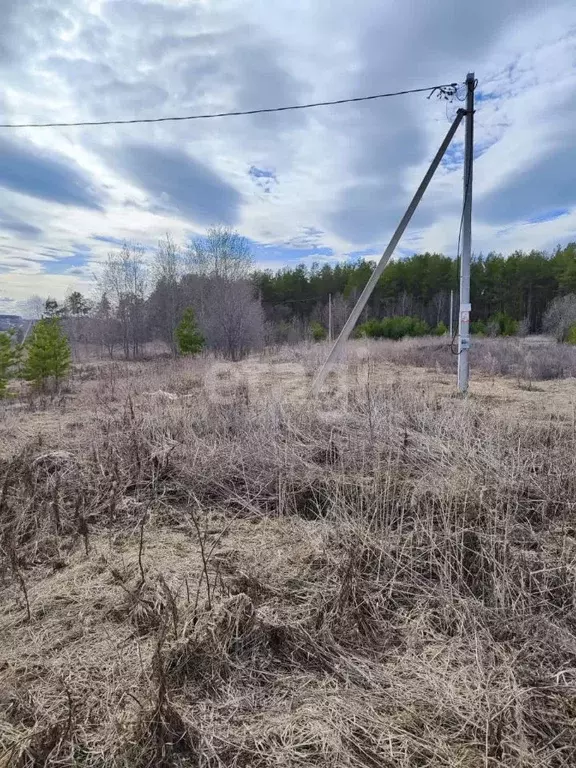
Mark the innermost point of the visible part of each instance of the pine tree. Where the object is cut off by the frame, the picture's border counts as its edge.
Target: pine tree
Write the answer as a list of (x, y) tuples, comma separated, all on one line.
[(318, 331), (48, 353), (190, 340), (76, 304), (51, 308), (9, 359)]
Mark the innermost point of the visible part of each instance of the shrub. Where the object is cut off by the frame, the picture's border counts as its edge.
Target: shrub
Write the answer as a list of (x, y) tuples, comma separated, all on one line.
[(190, 340), (371, 328), (560, 317), (478, 328), (571, 336), (393, 327), (441, 329), (501, 324), (9, 359), (48, 353), (523, 327), (318, 331)]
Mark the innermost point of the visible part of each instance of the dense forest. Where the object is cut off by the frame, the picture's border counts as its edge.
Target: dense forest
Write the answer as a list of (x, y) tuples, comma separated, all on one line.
[(139, 299), (521, 285)]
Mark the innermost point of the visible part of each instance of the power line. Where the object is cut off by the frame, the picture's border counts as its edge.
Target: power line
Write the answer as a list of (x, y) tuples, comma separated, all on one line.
[(445, 91)]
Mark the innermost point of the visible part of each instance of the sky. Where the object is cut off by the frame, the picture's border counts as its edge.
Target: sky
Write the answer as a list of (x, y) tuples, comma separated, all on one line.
[(317, 185)]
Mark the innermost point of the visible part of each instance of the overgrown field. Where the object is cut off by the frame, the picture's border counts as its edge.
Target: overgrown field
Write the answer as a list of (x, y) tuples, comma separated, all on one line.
[(202, 567)]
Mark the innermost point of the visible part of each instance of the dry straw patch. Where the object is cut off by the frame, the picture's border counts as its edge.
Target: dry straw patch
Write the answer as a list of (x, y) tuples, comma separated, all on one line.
[(382, 578)]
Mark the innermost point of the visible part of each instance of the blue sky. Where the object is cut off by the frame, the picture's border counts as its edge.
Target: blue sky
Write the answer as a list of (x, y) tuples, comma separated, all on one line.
[(308, 186)]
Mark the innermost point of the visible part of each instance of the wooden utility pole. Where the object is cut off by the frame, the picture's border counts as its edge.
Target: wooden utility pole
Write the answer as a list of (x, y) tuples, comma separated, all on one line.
[(329, 317)]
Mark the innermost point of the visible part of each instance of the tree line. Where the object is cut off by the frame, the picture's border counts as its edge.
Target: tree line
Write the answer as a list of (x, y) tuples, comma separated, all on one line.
[(237, 308), (520, 286), (186, 297)]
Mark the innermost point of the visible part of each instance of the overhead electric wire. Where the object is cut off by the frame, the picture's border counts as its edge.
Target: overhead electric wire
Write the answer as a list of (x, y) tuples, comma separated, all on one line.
[(445, 90)]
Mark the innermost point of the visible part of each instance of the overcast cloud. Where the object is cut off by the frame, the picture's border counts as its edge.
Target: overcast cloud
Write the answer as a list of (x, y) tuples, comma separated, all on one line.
[(321, 184)]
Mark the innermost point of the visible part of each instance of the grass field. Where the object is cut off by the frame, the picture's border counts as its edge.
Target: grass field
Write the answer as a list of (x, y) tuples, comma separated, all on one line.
[(203, 567)]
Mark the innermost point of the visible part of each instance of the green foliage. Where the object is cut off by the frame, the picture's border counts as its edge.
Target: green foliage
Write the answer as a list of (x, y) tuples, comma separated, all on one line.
[(571, 336), (502, 324), (521, 284), (478, 328), (48, 353), (372, 329), (441, 329), (51, 308), (393, 328), (9, 360), (190, 340), (76, 304), (318, 331)]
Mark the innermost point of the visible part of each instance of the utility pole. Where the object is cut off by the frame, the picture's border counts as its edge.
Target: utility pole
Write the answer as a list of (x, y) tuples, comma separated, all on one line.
[(375, 276), (465, 306), (329, 317), (451, 314)]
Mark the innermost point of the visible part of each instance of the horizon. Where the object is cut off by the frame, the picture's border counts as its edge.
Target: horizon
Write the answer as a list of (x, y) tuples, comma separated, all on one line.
[(323, 184)]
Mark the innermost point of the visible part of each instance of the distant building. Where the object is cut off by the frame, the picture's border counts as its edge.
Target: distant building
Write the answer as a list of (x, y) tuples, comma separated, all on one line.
[(10, 321)]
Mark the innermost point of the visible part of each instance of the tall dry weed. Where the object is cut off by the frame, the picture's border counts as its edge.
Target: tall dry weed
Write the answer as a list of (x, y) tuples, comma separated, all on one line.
[(386, 579)]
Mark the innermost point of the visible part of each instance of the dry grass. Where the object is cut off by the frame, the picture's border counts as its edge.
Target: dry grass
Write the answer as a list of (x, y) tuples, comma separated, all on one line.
[(385, 577), (529, 359)]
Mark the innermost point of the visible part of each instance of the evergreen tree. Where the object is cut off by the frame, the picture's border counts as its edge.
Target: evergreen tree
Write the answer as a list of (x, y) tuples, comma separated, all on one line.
[(441, 329), (52, 308), (104, 308), (318, 331), (522, 285), (48, 353), (190, 340), (76, 304), (9, 359)]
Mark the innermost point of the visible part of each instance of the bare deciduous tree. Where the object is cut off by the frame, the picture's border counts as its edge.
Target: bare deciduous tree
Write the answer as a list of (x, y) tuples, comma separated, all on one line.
[(213, 277), (33, 307), (560, 316), (222, 253), (76, 322), (220, 289), (341, 308), (124, 280), (234, 320), (164, 303), (105, 327)]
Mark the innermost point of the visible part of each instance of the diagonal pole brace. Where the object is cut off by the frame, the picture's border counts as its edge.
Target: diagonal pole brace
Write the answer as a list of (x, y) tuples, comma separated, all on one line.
[(375, 276)]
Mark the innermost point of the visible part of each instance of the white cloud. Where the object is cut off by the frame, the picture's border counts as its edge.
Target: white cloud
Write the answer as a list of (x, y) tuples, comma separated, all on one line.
[(344, 173)]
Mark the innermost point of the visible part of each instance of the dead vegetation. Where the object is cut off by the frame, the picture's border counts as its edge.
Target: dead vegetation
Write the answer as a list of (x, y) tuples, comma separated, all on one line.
[(385, 577), (532, 358)]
